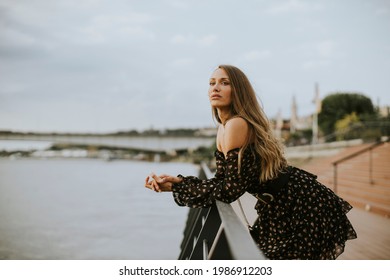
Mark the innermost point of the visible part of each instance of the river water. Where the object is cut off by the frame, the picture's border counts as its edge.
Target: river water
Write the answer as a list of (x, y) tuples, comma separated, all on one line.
[(78, 209)]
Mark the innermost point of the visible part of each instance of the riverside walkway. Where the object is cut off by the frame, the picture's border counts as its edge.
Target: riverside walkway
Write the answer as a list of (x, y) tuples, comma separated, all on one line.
[(373, 242), (369, 197), (363, 179)]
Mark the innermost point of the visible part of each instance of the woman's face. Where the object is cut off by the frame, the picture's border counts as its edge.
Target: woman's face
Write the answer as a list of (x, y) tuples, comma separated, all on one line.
[(220, 90)]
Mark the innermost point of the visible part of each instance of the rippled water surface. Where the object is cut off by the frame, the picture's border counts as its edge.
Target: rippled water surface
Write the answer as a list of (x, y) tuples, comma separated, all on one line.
[(87, 209)]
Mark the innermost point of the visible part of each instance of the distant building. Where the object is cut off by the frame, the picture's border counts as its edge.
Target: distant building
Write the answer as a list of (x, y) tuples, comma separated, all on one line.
[(384, 111), (297, 129), (287, 128), (297, 123)]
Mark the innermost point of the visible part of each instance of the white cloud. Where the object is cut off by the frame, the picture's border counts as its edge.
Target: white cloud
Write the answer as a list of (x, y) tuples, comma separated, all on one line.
[(137, 31), (326, 48), (315, 64), (179, 4), (181, 39), (289, 6), (108, 20), (105, 56), (318, 55), (104, 28), (207, 40), (204, 41), (256, 55), (183, 62)]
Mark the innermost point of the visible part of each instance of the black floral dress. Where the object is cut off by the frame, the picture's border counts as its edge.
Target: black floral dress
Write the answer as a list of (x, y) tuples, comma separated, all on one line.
[(298, 217)]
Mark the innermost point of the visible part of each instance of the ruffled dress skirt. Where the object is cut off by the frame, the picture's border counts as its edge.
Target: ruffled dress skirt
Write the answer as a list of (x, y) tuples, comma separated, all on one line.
[(306, 220)]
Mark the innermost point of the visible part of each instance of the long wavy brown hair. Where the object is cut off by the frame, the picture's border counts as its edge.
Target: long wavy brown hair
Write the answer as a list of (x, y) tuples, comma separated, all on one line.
[(245, 105)]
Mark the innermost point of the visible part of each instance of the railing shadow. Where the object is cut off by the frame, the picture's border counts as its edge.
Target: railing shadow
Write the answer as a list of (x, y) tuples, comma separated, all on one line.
[(217, 233)]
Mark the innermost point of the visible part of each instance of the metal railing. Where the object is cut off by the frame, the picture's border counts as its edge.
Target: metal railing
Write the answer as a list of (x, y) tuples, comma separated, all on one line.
[(216, 233), (364, 150)]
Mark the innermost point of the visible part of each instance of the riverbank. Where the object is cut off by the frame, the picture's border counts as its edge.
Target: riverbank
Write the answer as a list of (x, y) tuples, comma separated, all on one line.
[(110, 153)]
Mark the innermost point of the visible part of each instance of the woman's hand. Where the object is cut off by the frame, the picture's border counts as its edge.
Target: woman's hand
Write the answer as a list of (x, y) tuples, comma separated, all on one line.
[(162, 183)]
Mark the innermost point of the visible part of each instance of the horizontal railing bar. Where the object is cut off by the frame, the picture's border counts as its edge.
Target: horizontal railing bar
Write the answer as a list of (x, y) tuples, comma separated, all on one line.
[(240, 241), (358, 152)]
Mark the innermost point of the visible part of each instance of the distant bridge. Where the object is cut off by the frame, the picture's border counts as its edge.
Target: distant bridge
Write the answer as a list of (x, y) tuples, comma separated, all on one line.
[(157, 144)]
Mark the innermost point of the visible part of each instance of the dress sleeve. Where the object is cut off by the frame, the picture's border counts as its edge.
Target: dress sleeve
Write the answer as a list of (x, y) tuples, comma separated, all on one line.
[(227, 185)]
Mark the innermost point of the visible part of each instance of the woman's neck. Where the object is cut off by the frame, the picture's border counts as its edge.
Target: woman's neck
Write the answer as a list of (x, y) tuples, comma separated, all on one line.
[(223, 115)]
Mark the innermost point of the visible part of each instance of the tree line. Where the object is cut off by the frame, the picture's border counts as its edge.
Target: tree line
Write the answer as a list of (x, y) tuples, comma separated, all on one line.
[(351, 115)]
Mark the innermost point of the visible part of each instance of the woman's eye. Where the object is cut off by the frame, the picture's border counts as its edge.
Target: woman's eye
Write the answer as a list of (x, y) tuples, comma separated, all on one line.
[(212, 83)]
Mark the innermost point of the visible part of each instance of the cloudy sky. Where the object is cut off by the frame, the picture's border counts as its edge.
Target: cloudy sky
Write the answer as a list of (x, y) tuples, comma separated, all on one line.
[(103, 66)]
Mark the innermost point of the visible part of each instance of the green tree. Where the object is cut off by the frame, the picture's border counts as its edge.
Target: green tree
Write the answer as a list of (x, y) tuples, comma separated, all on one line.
[(339, 105), (343, 126)]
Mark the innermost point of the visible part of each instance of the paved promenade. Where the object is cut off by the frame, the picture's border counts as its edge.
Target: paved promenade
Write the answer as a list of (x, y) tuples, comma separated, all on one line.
[(373, 242)]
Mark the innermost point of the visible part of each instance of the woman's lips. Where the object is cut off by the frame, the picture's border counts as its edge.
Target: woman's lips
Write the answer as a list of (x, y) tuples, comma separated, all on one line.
[(215, 96)]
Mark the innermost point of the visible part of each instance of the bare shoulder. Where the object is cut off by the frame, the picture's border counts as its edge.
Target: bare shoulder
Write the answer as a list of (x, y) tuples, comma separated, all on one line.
[(236, 123), (236, 133)]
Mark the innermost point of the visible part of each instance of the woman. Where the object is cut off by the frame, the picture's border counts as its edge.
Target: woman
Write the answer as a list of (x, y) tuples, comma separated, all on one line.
[(298, 217)]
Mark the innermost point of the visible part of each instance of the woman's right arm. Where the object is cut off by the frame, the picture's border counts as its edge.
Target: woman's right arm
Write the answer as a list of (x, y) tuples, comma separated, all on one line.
[(229, 183)]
